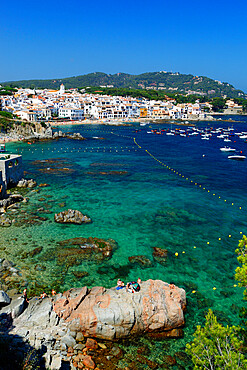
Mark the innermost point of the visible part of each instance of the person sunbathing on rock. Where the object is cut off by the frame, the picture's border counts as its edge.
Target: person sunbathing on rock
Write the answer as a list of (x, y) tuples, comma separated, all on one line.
[(133, 287), (120, 284), (43, 295)]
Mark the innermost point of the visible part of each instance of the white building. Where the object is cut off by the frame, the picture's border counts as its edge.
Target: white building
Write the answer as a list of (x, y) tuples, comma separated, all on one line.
[(71, 113)]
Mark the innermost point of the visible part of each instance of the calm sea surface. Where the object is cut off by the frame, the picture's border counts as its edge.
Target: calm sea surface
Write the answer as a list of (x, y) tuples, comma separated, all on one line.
[(133, 198)]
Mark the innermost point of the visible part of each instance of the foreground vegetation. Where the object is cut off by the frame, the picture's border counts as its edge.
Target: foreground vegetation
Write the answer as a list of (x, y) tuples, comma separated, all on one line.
[(216, 346)]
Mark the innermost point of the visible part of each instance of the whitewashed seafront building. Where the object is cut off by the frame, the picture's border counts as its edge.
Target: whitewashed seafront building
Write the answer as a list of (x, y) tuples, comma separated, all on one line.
[(37, 105)]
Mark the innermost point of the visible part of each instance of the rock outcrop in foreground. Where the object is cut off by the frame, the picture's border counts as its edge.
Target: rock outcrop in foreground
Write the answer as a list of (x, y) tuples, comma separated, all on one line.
[(113, 314), (56, 323)]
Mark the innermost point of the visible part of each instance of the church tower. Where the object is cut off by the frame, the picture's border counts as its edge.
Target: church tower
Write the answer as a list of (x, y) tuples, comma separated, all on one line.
[(62, 89)]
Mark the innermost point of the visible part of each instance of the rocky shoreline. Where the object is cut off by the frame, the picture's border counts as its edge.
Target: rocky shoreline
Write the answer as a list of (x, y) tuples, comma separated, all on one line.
[(80, 327), (36, 131)]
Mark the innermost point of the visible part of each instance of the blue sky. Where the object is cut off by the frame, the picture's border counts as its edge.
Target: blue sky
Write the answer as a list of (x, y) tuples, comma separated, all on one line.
[(52, 39)]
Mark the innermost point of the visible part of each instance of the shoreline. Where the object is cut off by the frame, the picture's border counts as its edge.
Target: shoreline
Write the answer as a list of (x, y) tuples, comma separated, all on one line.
[(123, 122)]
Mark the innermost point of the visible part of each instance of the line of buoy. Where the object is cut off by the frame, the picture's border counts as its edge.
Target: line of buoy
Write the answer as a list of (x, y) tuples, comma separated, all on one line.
[(176, 172)]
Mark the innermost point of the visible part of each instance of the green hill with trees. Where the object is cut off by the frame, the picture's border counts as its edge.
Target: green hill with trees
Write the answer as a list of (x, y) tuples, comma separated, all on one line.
[(156, 81)]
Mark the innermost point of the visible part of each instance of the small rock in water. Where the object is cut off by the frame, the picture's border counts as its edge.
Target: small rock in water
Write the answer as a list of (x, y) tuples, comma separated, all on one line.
[(169, 360), (80, 274), (117, 352), (71, 216), (142, 261), (5, 221), (160, 255), (35, 251), (7, 264)]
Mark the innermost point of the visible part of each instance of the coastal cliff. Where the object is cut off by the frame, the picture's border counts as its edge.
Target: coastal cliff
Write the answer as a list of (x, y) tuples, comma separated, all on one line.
[(57, 326), (30, 130)]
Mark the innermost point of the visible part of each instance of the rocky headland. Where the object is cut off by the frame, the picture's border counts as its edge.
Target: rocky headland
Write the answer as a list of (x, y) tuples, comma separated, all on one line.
[(35, 131), (72, 328)]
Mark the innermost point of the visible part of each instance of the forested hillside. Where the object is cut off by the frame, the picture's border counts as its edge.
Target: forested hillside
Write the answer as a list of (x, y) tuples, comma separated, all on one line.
[(163, 81)]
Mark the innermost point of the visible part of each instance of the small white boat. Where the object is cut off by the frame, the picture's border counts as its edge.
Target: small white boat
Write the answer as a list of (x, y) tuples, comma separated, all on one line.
[(170, 133), (227, 140), (227, 149), (243, 137), (237, 157), (204, 138)]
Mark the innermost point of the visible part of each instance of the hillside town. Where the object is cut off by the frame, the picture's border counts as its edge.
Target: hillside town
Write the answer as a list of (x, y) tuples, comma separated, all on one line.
[(49, 105)]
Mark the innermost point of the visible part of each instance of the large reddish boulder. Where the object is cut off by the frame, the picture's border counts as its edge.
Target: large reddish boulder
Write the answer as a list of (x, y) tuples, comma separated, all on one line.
[(112, 314)]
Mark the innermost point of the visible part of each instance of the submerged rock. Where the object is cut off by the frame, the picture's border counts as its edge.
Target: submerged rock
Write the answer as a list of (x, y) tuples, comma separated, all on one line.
[(160, 255), (107, 173), (142, 261), (89, 247), (35, 251), (72, 252), (5, 221), (71, 216), (80, 274), (174, 216)]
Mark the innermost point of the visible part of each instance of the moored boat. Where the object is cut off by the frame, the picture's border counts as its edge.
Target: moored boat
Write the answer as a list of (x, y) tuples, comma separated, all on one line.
[(227, 149), (237, 157)]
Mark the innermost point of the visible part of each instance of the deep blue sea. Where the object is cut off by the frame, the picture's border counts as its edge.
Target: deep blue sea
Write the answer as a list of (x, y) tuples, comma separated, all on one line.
[(178, 193)]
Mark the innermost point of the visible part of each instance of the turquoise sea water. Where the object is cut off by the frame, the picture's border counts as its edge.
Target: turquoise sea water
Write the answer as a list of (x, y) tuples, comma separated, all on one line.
[(135, 200)]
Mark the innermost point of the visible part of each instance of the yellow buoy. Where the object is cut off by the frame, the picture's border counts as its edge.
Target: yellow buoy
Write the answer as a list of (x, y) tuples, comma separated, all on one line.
[(176, 254), (214, 288)]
